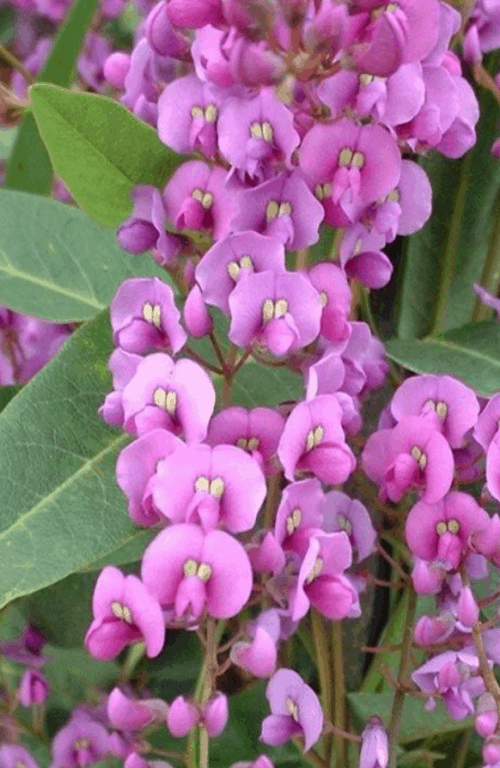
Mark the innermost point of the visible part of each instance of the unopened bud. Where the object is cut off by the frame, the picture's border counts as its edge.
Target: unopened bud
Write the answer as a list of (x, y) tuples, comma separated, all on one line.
[(215, 715), (182, 717), (467, 608)]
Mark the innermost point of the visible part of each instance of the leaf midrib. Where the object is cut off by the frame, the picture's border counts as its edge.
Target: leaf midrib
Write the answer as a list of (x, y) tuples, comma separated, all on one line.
[(116, 443), (463, 349)]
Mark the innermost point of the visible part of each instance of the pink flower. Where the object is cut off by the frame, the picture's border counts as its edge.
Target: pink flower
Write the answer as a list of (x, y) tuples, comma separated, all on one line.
[(295, 709), (374, 745), (128, 714), (190, 571)]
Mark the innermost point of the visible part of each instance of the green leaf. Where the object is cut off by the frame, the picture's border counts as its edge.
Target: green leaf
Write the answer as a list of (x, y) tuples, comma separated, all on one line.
[(471, 353), (451, 251), (256, 384), (73, 672), (100, 150), (56, 263), (61, 508), (416, 722), (7, 393), (30, 168), (7, 138)]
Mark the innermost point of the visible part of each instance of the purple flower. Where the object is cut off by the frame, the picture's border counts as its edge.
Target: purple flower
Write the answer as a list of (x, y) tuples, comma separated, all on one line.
[(178, 396), (455, 405), (195, 314), (26, 649), (123, 366), (313, 441), (81, 742), (14, 755), (361, 257), (194, 14), (33, 688), (341, 513), (124, 612), (335, 295), (161, 36), (445, 530), (145, 228), (455, 675), (350, 165), (233, 258), (281, 311), (215, 714), (260, 655), (374, 745), (413, 453), (190, 572), (257, 431), (188, 111), (196, 198), (295, 708), (144, 317), (257, 133), (211, 486), (283, 208), (183, 716)]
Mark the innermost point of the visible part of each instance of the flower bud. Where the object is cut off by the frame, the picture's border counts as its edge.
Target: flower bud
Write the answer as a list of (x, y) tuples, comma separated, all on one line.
[(182, 717), (194, 14), (467, 608), (471, 46), (196, 316), (487, 716), (116, 68), (432, 629), (374, 745), (216, 714), (137, 237), (491, 751), (160, 34), (426, 578), (33, 688)]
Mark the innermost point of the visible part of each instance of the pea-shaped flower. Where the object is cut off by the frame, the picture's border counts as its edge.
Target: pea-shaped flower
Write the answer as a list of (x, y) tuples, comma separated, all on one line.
[(295, 708)]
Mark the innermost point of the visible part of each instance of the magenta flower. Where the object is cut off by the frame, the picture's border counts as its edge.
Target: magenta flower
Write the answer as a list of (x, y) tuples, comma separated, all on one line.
[(445, 530), (320, 581), (183, 716), (361, 257), (395, 34), (335, 295), (454, 675), (374, 745), (486, 720), (210, 486), (455, 405), (301, 507), (313, 441), (26, 649), (123, 366), (295, 708), (178, 396), (231, 259), (215, 714), (257, 431), (196, 198), (341, 513), (261, 762), (124, 612), (211, 61), (350, 165), (195, 314), (194, 14), (12, 755), (190, 571), (260, 655), (161, 36), (282, 311), (257, 133), (326, 376), (81, 742), (34, 688), (266, 554), (283, 208), (413, 453), (144, 317), (145, 228), (128, 714), (188, 111)]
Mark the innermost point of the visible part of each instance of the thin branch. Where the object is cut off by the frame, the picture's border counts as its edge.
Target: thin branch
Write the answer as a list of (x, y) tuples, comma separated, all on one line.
[(16, 64)]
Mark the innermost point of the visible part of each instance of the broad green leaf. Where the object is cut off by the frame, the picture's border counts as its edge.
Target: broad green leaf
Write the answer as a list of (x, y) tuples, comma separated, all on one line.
[(61, 508), (256, 384), (30, 168), (471, 353), (129, 553), (7, 393), (73, 672), (100, 150), (454, 249), (7, 138), (56, 263), (416, 722)]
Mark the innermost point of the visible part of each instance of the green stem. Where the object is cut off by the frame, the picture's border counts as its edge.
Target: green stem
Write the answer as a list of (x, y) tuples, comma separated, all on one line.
[(272, 500), (464, 748), (399, 694), (491, 270), (339, 690), (324, 666), (16, 64)]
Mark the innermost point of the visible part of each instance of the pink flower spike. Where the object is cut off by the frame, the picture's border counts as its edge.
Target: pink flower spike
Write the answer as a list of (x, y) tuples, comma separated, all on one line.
[(178, 396), (413, 453), (144, 317), (212, 486), (281, 311), (233, 258), (182, 717), (455, 405), (215, 714), (124, 612), (374, 745), (295, 711), (313, 441), (257, 431), (136, 465), (190, 571)]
